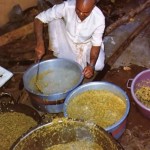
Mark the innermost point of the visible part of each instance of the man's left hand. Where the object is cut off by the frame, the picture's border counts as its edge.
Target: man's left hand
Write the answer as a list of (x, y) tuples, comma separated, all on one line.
[(88, 72)]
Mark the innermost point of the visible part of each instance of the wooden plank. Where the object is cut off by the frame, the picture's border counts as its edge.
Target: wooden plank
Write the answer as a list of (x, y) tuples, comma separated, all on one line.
[(16, 34)]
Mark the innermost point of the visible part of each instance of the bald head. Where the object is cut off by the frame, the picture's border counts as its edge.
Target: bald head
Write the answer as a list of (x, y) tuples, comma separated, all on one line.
[(86, 2), (84, 8)]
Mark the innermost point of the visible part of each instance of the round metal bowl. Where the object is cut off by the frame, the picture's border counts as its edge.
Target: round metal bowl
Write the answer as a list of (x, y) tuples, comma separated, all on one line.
[(9, 104), (136, 84), (64, 131), (116, 129), (59, 77)]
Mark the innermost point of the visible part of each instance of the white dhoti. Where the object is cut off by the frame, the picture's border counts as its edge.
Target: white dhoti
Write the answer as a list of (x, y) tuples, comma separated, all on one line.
[(64, 47)]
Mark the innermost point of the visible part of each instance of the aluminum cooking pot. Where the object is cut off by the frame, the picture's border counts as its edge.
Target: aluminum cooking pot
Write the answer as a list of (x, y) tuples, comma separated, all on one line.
[(63, 131), (118, 128), (9, 104), (58, 77), (8, 107)]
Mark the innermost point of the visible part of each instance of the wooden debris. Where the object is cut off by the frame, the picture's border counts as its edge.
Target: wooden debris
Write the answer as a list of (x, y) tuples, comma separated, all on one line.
[(128, 17), (27, 29), (126, 68), (16, 34)]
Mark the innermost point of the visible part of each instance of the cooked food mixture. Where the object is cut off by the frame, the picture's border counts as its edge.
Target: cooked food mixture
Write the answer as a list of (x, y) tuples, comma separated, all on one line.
[(12, 126), (64, 134), (143, 94), (99, 106), (76, 145), (50, 82)]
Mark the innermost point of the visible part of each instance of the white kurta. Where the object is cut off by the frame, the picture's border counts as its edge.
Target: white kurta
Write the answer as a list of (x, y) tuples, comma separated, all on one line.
[(74, 38)]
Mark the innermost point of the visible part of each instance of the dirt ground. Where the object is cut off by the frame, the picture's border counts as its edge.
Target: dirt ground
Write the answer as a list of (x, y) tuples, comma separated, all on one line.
[(137, 134), (19, 56)]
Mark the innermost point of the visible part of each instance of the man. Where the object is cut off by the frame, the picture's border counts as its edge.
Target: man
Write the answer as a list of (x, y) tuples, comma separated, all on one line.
[(75, 32)]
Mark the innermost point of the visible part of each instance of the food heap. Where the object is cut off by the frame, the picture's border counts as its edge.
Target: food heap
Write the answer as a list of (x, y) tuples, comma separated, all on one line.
[(79, 145), (67, 134), (143, 92), (12, 126), (102, 107)]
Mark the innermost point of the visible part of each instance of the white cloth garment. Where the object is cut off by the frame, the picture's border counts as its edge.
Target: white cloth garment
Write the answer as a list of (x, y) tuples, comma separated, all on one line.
[(72, 38)]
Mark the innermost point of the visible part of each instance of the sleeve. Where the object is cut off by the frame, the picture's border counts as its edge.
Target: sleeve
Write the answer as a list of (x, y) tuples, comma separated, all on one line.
[(56, 12), (98, 34)]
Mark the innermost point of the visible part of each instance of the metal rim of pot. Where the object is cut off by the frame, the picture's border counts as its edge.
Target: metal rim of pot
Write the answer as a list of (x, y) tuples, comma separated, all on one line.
[(14, 106), (114, 141), (55, 94), (97, 83)]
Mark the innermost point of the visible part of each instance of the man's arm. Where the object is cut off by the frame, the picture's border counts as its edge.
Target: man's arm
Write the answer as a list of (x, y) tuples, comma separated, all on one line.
[(95, 50), (89, 69), (40, 47)]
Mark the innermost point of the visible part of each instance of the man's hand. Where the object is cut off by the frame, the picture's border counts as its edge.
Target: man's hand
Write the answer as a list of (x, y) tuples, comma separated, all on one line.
[(88, 72)]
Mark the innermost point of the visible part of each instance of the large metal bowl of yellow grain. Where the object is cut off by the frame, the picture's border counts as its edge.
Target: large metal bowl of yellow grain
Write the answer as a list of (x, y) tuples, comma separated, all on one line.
[(103, 103), (67, 134), (56, 79)]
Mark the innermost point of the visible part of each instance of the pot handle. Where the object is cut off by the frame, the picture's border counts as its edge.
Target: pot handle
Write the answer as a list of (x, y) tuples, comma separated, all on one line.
[(4, 94), (129, 82)]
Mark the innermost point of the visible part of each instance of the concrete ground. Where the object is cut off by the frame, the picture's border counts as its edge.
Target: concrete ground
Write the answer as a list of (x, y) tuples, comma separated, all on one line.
[(138, 51)]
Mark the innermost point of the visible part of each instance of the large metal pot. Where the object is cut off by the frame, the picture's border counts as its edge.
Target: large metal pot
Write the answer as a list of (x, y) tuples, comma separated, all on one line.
[(116, 129), (62, 75), (137, 82), (9, 104), (64, 131)]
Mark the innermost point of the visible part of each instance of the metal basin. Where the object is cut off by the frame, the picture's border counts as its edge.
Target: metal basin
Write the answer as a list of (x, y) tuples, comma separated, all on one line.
[(64, 131), (9, 104), (57, 78), (116, 129)]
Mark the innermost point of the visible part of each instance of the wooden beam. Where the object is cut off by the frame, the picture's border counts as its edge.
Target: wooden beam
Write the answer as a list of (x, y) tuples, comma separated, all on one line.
[(16, 34)]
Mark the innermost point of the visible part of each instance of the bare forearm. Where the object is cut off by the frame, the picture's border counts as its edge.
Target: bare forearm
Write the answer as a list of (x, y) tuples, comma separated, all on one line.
[(88, 71), (40, 47), (38, 29), (95, 50)]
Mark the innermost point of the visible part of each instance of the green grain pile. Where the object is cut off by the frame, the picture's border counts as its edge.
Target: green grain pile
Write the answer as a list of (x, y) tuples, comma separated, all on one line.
[(142, 92), (76, 145), (12, 126), (99, 106)]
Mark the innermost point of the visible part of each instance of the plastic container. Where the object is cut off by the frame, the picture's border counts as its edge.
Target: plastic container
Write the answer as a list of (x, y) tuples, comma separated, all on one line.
[(142, 76)]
